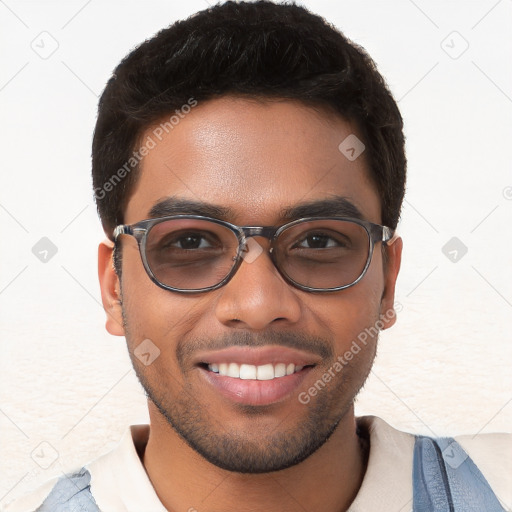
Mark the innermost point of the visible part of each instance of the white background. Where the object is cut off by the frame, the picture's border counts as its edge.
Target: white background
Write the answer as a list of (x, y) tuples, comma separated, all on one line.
[(443, 369)]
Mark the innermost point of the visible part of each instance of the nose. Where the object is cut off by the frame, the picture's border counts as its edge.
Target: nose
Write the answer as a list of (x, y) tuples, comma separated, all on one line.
[(257, 296)]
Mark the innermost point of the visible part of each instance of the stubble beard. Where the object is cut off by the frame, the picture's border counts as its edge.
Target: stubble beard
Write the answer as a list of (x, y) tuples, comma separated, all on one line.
[(250, 451)]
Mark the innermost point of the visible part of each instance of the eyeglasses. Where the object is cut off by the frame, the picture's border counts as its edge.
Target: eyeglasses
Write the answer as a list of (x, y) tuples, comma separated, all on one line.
[(192, 253)]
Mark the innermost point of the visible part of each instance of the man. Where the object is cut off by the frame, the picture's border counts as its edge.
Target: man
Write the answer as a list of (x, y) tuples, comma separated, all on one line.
[(249, 170)]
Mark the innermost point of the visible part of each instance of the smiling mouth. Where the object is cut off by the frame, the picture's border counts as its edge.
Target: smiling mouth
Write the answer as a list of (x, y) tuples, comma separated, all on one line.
[(256, 385), (257, 376), (252, 372)]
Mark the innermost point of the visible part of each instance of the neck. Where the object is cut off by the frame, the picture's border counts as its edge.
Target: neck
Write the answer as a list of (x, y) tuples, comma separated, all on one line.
[(183, 480)]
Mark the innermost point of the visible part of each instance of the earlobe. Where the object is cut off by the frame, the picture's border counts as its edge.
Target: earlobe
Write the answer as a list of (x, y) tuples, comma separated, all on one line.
[(110, 289), (394, 257)]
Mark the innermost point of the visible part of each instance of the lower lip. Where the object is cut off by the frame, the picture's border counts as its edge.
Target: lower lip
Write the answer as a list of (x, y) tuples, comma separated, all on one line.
[(255, 392)]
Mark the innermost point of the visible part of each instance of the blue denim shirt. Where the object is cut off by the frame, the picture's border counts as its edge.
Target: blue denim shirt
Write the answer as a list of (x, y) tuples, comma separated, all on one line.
[(445, 479)]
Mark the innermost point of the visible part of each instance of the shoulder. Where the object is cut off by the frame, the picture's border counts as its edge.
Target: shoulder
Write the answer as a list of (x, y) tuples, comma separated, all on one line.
[(69, 493), (399, 461), (489, 449), (114, 481), (491, 453)]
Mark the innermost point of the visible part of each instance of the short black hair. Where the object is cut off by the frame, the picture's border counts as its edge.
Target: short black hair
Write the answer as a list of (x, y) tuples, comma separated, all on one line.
[(252, 49)]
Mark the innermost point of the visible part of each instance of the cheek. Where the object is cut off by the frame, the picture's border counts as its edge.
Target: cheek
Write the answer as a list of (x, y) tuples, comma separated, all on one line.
[(352, 314), (152, 312)]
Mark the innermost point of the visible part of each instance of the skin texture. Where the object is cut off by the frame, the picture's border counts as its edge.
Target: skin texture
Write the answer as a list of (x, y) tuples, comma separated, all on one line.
[(256, 158)]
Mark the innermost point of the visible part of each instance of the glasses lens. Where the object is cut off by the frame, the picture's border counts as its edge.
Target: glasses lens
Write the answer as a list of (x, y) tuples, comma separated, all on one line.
[(323, 253), (190, 254)]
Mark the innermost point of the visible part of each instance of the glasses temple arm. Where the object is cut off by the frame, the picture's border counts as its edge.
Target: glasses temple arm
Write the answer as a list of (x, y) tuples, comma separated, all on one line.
[(388, 235), (122, 229)]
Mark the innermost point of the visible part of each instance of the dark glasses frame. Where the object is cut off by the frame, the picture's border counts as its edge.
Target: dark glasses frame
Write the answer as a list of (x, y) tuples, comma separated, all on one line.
[(376, 233)]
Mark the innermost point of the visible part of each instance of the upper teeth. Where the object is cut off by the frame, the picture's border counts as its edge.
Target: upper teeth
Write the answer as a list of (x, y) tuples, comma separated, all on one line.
[(249, 371)]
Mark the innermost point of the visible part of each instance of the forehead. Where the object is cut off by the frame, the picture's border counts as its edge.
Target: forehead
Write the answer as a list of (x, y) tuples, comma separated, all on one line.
[(253, 158)]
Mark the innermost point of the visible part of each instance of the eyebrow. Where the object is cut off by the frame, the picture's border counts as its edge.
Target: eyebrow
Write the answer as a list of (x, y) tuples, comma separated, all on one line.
[(333, 206), (176, 206)]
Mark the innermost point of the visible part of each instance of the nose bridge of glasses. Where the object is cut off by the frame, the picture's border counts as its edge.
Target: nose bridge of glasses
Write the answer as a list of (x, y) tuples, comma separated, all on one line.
[(264, 231)]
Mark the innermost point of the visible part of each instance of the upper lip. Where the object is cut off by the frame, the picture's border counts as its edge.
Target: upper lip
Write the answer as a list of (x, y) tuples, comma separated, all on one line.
[(258, 356)]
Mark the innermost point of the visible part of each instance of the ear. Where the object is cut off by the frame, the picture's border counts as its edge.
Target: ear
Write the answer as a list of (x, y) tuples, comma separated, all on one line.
[(388, 310), (110, 289)]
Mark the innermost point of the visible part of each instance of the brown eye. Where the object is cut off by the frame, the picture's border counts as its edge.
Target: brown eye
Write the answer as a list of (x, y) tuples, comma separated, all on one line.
[(318, 241), (189, 241)]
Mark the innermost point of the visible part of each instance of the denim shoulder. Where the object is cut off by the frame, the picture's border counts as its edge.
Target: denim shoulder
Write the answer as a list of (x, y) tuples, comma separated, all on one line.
[(445, 479), (71, 493)]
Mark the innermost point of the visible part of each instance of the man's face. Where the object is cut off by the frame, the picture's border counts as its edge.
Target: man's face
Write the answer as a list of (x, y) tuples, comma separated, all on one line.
[(255, 159)]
